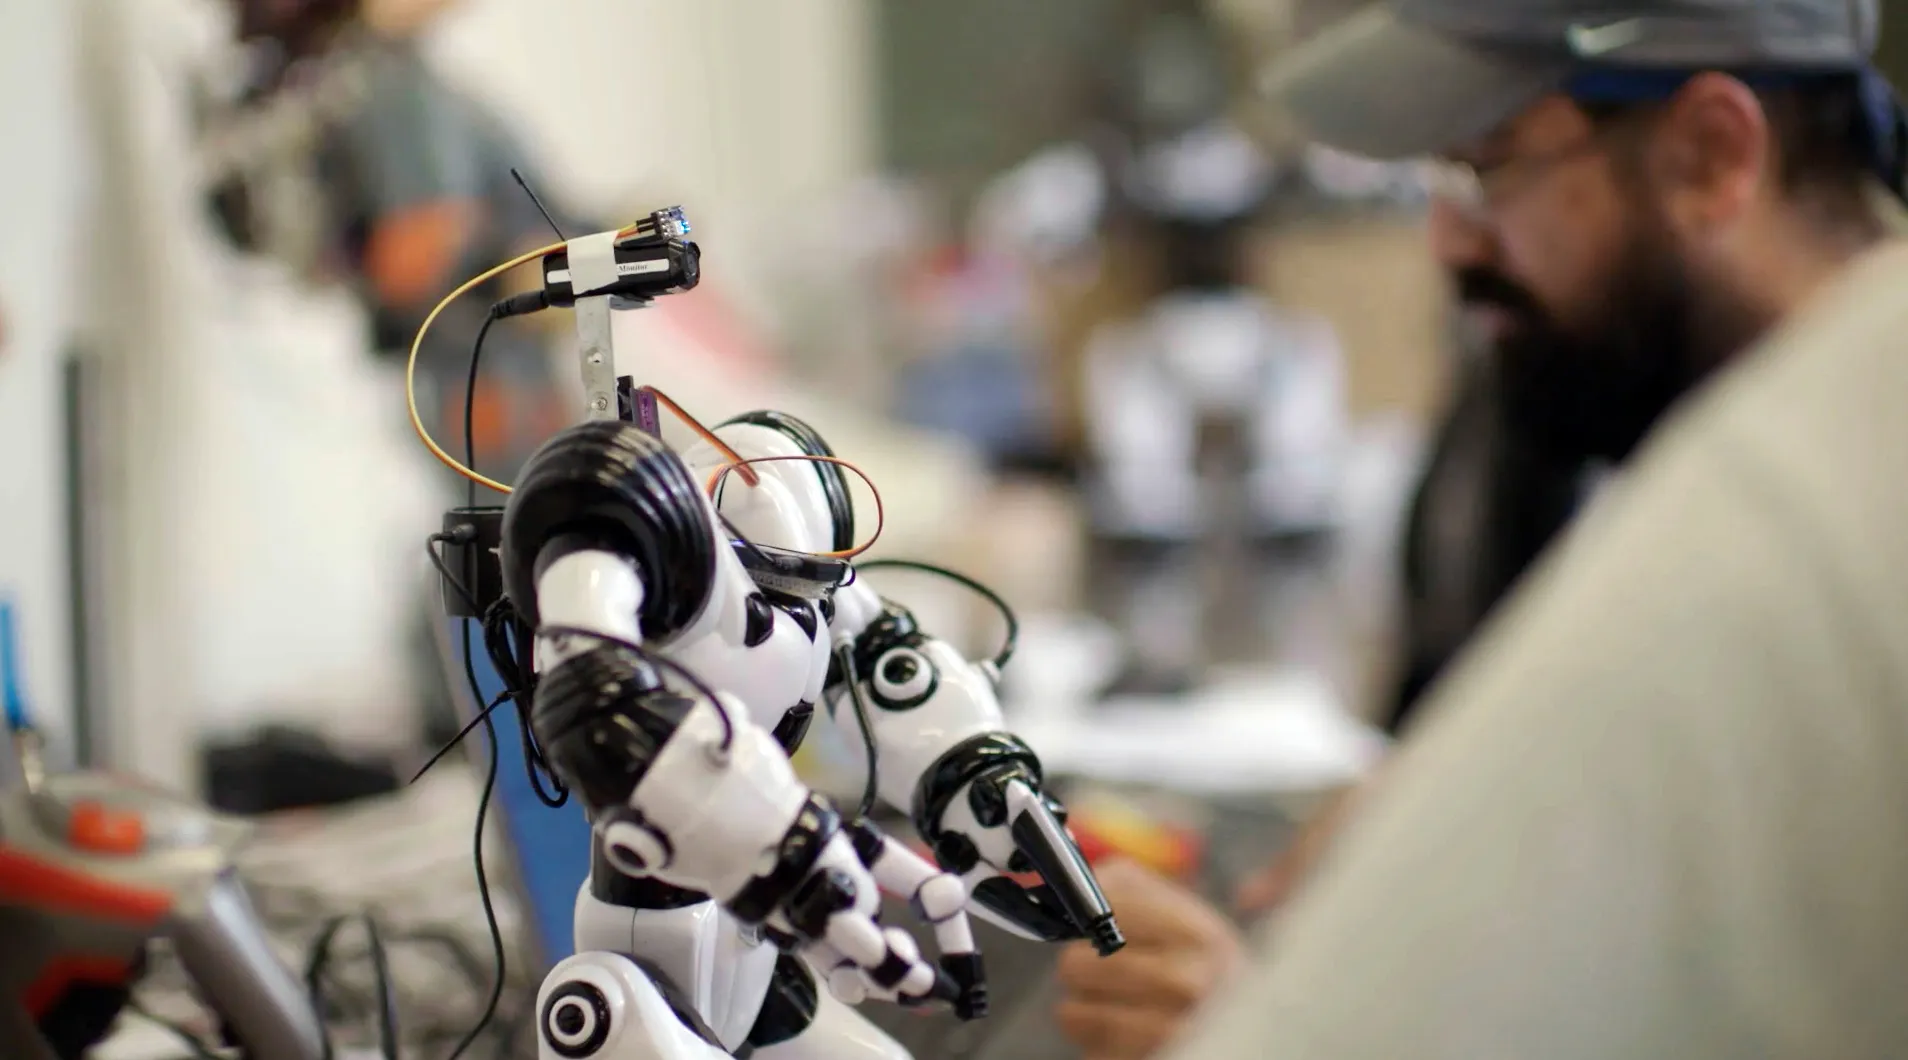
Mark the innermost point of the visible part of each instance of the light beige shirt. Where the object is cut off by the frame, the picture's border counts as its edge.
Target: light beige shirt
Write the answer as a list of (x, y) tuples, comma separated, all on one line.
[(1661, 812)]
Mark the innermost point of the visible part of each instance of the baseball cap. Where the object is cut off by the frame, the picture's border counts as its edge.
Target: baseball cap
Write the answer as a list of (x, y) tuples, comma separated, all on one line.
[(1404, 78)]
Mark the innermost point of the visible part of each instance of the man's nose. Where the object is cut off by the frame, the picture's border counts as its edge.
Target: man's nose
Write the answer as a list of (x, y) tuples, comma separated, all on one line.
[(1458, 239)]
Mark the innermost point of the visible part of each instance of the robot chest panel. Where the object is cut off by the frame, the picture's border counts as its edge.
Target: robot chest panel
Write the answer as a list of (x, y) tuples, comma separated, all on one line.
[(775, 661), (790, 711)]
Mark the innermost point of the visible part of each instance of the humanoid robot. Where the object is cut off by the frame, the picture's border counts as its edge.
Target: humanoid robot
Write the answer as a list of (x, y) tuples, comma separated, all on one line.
[(683, 615)]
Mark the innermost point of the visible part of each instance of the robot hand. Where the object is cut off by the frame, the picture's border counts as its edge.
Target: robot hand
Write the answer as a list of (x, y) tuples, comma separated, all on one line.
[(974, 791)]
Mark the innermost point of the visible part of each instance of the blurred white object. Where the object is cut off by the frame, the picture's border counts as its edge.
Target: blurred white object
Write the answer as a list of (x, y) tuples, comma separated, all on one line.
[(1062, 660), (1251, 732), (1197, 354), (1344, 176), (1214, 173), (314, 491), (1044, 209)]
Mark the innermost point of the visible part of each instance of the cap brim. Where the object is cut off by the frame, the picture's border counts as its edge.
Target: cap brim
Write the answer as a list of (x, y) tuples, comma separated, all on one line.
[(1385, 89)]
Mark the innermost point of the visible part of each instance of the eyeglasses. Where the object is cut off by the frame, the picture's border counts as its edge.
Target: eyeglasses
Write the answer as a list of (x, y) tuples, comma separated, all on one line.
[(1481, 192)]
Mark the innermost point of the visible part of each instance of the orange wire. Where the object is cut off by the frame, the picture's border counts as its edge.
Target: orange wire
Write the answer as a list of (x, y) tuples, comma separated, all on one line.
[(881, 519), (734, 459)]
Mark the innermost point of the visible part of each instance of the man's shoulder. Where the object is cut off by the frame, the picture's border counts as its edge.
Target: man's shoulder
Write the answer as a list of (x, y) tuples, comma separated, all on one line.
[(1857, 324), (1801, 444), (1824, 398)]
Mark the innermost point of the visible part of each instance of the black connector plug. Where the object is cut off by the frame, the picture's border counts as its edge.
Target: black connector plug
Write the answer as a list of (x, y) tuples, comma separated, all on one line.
[(520, 305)]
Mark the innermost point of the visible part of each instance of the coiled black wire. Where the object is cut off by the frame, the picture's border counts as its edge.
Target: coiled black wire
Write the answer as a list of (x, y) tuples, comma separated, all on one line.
[(507, 651), (1012, 639)]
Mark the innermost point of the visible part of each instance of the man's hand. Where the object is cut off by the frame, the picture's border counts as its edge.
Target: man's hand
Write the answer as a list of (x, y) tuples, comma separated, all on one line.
[(1179, 951)]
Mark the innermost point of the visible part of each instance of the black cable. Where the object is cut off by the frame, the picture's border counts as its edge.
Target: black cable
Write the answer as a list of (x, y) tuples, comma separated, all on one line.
[(470, 404), (477, 700), (477, 855), (500, 622), (728, 727), (386, 1001), (438, 755), (193, 1043), (535, 766), (845, 654), (519, 683), (1013, 622), (316, 960)]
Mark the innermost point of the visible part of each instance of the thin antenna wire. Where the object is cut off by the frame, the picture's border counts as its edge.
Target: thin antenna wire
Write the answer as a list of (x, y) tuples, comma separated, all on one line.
[(538, 203)]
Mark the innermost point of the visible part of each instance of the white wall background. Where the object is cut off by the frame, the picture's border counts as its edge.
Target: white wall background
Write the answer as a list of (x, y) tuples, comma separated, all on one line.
[(739, 109), (40, 199)]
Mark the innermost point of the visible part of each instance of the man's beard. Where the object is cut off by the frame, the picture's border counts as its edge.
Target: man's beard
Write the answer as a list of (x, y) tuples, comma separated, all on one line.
[(1594, 390)]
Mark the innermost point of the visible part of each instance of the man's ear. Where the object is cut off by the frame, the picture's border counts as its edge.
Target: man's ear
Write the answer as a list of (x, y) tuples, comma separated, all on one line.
[(1711, 154)]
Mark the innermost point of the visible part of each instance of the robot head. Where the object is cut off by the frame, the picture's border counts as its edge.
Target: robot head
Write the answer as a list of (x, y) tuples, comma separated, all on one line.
[(1197, 194), (814, 512)]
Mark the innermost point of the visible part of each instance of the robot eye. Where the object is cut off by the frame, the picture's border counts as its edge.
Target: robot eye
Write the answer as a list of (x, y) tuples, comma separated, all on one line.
[(903, 678)]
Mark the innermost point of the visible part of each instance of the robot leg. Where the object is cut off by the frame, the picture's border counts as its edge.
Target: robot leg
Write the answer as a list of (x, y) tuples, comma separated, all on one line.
[(1299, 438), (1147, 513), (604, 1006), (801, 1022)]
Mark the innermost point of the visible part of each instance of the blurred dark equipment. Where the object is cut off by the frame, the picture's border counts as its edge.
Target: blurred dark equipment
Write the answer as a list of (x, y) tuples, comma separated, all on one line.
[(295, 28), (288, 769)]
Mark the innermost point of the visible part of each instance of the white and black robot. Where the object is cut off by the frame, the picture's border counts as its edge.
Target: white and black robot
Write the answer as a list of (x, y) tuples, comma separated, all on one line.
[(683, 625)]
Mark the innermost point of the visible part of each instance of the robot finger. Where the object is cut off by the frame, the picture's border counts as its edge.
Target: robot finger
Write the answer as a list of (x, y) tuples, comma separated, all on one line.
[(892, 964), (842, 975), (938, 897), (857, 938), (904, 972)]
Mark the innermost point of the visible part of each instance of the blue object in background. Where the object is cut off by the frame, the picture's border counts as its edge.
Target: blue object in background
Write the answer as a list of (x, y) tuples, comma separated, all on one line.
[(552, 845), (985, 393), (11, 697)]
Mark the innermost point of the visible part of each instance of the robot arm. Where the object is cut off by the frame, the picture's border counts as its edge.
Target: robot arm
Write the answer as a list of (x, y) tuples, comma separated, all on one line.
[(610, 548), (974, 791)]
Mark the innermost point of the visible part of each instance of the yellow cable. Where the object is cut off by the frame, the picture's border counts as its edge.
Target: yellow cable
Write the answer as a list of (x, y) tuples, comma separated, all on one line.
[(410, 368)]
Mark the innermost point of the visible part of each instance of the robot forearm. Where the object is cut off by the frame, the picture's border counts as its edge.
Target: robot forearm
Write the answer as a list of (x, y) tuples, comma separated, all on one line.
[(974, 791)]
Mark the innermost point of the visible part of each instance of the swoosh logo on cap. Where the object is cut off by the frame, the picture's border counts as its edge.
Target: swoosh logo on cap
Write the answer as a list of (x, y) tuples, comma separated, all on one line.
[(1588, 41)]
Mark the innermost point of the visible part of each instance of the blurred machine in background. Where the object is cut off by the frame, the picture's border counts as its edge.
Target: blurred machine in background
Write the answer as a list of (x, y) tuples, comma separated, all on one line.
[(1207, 407), (1210, 358)]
